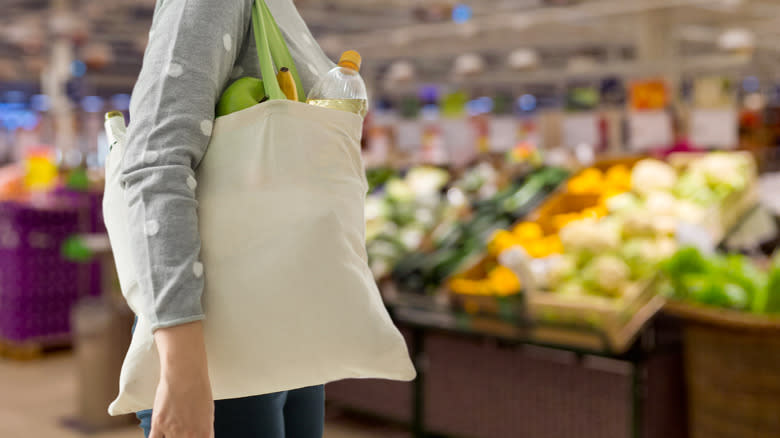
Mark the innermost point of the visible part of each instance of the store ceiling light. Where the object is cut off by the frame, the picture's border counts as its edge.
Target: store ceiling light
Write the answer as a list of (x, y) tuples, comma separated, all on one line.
[(481, 105), (401, 71), (526, 102), (523, 59), (78, 68), (737, 40), (469, 64), (751, 84), (40, 102), (92, 104), (462, 13)]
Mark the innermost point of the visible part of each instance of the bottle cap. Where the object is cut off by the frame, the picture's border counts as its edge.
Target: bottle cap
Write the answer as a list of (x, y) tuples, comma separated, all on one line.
[(351, 59)]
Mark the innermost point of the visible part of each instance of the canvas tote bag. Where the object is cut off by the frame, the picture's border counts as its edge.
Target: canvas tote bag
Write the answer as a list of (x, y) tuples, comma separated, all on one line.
[(289, 299)]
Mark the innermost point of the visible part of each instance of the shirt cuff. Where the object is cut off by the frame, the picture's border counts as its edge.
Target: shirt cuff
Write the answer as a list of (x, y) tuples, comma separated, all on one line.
[(179, 321)]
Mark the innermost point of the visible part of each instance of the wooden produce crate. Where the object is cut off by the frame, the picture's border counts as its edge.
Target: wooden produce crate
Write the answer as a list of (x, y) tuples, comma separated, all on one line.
[(564, 202), (561, 202), (615, 324), (722, 218)]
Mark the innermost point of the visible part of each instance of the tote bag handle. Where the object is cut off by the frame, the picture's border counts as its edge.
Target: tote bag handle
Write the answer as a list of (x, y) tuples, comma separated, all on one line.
[(272, 52)]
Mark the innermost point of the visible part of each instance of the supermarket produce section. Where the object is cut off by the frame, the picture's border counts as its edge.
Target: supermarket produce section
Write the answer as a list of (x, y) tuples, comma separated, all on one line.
[(598, 252), (571, 210)]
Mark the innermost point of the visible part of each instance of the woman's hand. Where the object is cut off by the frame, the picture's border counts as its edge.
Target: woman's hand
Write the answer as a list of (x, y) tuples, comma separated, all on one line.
[(183, 405)]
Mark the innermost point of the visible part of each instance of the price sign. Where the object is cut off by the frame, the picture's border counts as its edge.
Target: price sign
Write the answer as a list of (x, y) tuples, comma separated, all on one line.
[(714, 128), (410, 134), (649, 130), (503, 133), (580, 129), (459, 139)]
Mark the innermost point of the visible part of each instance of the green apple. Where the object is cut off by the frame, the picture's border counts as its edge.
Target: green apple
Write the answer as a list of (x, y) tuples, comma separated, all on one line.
[(241, 94)]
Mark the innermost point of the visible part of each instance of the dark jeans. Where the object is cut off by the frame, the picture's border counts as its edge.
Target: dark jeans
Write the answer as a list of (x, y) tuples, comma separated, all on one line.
[(299, 413)]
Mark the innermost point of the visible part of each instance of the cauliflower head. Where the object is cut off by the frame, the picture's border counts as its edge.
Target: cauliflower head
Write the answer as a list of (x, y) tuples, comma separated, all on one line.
[(651, 175)]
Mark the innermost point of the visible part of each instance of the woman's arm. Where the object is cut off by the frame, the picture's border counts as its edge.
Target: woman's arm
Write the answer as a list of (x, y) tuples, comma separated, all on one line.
[(192, 48), (183, 404)]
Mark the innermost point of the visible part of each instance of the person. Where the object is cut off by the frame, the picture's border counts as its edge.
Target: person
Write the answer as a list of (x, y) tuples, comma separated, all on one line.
[(196, 49)]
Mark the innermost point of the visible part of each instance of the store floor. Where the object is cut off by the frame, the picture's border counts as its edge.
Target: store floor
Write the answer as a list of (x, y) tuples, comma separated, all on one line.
[(36, 397)]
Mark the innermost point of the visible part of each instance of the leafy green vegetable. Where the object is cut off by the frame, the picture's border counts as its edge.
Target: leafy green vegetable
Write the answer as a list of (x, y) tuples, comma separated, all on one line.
[(729, 281), (687, 260), (770, 300), (711, 290)]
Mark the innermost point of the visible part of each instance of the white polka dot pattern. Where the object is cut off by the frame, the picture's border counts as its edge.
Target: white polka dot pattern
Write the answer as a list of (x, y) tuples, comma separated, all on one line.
[(151, 156), (192, 183), (197, 269), (175, 70), (227, 40), (152, 227), (206, 126)]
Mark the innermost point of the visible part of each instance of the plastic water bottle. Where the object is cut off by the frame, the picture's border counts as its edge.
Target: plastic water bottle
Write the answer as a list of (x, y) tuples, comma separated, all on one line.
[(342, 88), (115, 128)]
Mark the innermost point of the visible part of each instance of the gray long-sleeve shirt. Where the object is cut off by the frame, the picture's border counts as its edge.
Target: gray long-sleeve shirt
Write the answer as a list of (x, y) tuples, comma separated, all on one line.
[(196, 48)]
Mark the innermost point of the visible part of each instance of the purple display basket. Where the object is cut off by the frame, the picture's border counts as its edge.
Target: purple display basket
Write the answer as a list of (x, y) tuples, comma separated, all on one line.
[(38, 287), (93, 202)]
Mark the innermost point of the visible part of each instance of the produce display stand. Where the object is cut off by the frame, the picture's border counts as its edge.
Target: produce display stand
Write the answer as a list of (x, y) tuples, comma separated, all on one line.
[(580, 340), (633, 343), (38, 287)]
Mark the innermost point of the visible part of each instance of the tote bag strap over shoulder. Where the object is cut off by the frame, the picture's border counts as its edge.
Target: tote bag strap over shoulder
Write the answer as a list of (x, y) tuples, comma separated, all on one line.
[(272, 52)]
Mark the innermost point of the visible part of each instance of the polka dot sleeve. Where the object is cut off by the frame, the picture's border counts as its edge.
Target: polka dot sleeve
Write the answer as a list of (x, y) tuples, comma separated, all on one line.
[(191, 53)]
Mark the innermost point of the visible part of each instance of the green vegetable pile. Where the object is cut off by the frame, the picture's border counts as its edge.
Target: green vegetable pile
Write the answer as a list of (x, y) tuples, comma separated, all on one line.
[(400, 212), (456, 242), (730, 281)]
